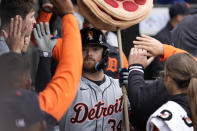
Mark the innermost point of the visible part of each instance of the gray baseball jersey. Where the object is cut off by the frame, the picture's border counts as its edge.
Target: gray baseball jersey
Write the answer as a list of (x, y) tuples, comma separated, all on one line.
[(95, 108)]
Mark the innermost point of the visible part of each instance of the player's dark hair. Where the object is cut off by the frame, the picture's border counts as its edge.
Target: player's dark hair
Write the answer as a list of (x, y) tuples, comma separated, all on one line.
[(14, 70), (10, 8)]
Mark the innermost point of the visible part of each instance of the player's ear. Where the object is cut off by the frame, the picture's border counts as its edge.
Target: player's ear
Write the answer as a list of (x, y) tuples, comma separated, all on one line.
[(28, 84)]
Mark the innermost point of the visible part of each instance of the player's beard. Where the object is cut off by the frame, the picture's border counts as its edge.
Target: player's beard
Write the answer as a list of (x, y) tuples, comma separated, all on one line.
[(89, 65)]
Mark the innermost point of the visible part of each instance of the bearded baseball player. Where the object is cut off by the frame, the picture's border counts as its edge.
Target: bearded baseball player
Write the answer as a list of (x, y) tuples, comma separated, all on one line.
[(98, 105)]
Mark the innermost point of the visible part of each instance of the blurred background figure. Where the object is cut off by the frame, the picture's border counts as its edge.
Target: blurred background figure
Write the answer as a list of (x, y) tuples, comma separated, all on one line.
[(168, 1), (177, 12), (173, 1)]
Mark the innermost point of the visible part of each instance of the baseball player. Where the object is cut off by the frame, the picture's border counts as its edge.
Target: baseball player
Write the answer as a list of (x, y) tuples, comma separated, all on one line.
[(98, 103)]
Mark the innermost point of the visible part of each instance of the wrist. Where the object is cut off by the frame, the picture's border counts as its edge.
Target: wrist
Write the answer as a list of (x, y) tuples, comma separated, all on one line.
[(45, 54), (16, 51), (136, 67), (66, 13)]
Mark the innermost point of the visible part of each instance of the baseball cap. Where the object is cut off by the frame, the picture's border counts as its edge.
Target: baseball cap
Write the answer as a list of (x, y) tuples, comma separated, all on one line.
[(93, 36), (179, 8), (19, 110)]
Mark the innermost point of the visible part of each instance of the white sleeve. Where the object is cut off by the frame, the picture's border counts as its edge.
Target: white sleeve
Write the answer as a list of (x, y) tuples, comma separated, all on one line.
[(160, 124)]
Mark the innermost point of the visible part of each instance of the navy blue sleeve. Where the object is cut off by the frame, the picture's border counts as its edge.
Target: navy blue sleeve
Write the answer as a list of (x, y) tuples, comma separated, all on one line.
[(144, 98), (43, 75)]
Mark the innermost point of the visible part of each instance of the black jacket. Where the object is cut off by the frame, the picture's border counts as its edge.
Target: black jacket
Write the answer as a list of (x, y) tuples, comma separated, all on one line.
[(145, 98), (164, 35)]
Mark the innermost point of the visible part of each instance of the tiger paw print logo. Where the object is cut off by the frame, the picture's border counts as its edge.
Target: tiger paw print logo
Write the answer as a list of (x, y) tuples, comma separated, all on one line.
[(128, 5), (187, 121), (165, 115)]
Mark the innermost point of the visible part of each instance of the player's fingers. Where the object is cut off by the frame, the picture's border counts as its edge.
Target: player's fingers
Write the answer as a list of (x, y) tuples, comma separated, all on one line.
[(55, 33), (24, 31), (47, 28), (150, 60), (20, 26), (42, 29), (135, 51), (143, 47), (141, 43), (142, 39), (149, 54), (35, 33), (16, 22), (11, 27), (144, 52), (146, 36), (38, 30)]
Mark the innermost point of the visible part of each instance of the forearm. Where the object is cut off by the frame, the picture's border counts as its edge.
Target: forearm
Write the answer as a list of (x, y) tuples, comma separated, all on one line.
[(136, 84), (60, 92), (43, 75)]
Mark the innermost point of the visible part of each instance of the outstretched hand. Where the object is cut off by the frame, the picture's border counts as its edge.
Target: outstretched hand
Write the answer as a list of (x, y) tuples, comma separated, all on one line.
[(153, 46), (43, 37), (16, 36), (139, 56)]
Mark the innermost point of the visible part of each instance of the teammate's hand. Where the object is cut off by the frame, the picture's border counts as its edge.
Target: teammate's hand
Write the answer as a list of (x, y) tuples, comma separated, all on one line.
[(43, 37), (153, 46), (139, 56), (16, 35), (62, 7), (123, 76)]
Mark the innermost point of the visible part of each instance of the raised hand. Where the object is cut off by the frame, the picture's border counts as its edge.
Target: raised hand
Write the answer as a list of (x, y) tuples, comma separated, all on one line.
[(139, 56), (16, 36), (153, 46), (62, 7), (43, 37)]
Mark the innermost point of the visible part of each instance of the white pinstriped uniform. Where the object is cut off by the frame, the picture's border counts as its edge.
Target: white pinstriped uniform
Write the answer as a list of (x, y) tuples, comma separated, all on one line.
[(95, 108)]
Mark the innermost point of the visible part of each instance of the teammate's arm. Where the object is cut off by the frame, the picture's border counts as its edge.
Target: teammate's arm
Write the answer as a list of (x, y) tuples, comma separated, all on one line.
[(60, 92), (156, 48)]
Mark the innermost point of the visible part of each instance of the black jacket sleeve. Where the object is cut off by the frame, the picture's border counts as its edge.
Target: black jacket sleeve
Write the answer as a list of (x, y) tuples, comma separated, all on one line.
[(144, 98), (43, 75)]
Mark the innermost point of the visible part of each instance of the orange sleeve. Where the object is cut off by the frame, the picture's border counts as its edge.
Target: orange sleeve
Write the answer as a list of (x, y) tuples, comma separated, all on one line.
[(169, 50), (56, 54), (60, 92), (43, 17), (126, 65)]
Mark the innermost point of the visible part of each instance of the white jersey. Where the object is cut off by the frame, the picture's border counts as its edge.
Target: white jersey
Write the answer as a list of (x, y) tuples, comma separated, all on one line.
[(95, 108), (170, 117)]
